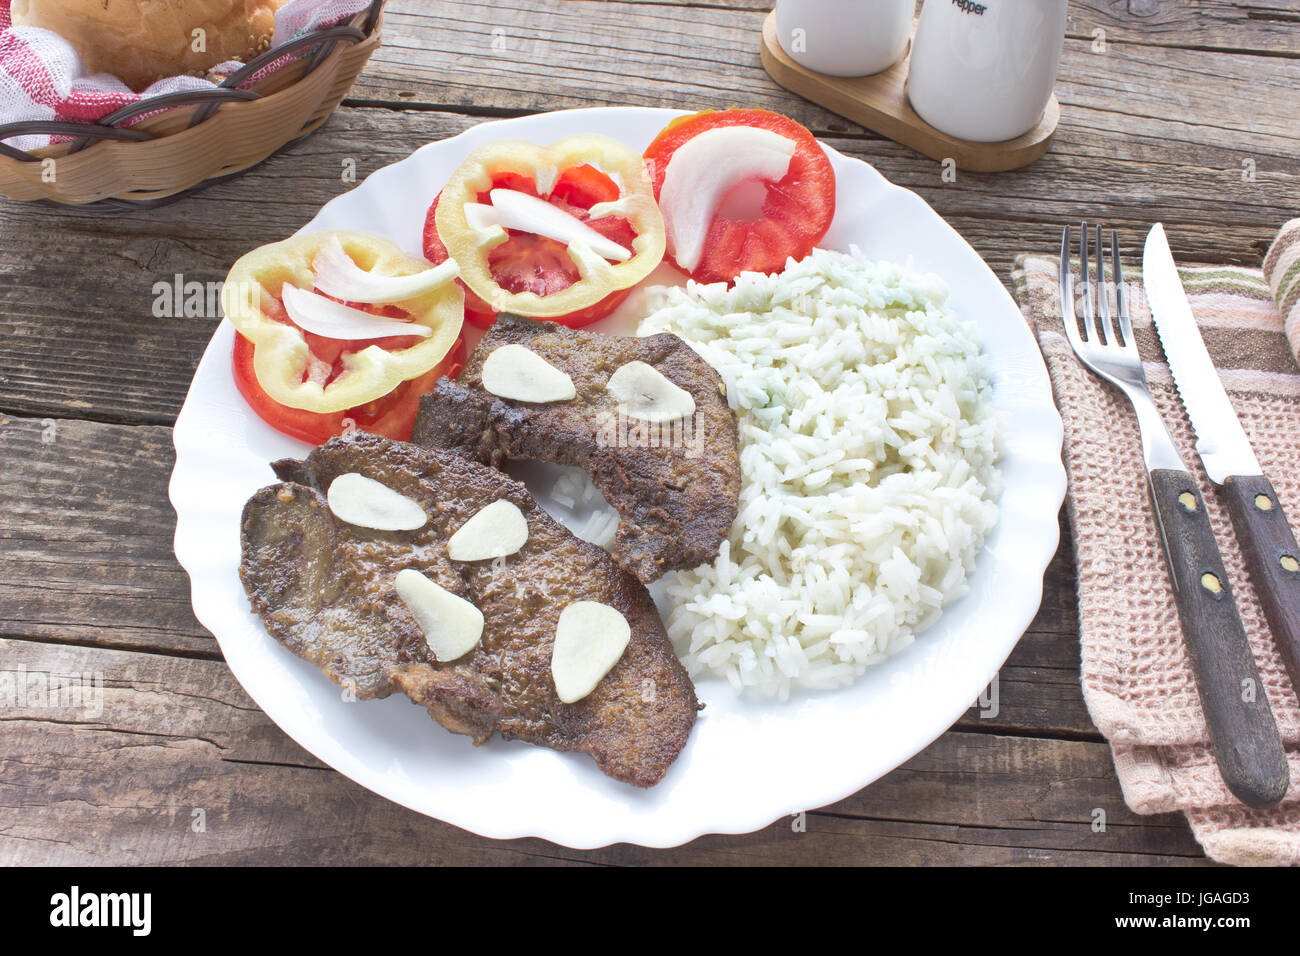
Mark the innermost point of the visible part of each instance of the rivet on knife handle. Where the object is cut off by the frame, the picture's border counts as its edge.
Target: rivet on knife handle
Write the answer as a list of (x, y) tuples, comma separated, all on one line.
[(1243, 733), (1273, 559)]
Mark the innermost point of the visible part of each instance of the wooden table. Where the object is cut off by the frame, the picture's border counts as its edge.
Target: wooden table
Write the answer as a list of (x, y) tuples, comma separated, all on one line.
[(1184, 112)]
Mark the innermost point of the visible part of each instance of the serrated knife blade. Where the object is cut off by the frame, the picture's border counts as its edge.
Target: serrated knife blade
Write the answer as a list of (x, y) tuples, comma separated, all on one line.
[(1220, 440), (1268, 544)]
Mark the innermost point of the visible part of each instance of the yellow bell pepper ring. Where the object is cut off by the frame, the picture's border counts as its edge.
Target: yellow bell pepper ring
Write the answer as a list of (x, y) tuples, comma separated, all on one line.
[(470, 245), (282, 361)]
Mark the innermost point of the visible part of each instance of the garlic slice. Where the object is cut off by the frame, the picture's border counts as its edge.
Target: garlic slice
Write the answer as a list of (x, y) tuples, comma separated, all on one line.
[(338, 275), (452, 626), (497, 530), (512, 209), (645, 393), (703, 169), (515, 372), (367, 503), (589, 640), (317, 314)]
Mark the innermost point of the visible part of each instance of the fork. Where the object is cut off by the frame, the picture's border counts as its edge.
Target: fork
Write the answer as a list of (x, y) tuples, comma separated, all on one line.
[(1243, 734)]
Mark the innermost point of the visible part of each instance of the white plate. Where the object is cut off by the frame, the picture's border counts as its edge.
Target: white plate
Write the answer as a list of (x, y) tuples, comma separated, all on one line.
[(748, 762)]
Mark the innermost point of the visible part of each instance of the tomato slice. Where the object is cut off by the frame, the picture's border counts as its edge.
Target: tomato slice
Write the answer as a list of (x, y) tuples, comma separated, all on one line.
[(392, 416), (795, 211), (528, 263), (584, 186)]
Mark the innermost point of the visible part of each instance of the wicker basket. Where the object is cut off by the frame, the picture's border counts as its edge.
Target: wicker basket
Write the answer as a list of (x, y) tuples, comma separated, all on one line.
[(198, 138)]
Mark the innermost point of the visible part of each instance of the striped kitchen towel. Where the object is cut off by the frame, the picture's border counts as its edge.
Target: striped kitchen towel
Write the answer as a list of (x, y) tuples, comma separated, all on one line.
[(1282, 270), (1136, 680)]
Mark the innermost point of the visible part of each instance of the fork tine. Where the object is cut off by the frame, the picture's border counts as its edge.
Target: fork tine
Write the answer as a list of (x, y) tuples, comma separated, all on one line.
[(1103, 300), (1066, 288), (1117, 362), (1085, 278), (1121, 300)]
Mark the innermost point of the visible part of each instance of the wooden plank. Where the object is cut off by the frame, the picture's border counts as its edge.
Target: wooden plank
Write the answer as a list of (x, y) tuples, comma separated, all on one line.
[(531, 55), (495, 55), (485, 55), (1265, 26), (86, 538), (121, 783), (87, 559), (78, 334), (1261, 26), (1037, 689)]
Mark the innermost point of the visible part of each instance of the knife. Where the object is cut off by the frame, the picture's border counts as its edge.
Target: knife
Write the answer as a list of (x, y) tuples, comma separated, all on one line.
[(1267, 542)]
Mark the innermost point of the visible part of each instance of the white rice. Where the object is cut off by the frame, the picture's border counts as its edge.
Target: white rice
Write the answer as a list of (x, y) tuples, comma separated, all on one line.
[(868, 450), (573, 489)]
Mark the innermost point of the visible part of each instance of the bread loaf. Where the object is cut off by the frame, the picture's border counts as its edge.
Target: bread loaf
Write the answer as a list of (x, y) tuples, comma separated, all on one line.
[(142, 41)]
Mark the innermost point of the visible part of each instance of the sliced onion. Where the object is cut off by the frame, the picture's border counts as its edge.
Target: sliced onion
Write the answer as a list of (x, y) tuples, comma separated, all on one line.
[(703, 170), (338, 275), (482, 218), (321, 316), (512, 209)]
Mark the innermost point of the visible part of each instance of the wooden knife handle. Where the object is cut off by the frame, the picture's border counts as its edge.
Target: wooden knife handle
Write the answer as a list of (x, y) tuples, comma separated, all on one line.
[(1243, 734), (1273, 559)]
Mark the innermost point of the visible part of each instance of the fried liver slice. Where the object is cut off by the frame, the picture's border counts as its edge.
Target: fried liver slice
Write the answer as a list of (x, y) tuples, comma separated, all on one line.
[(677, 501), (325, 590)]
